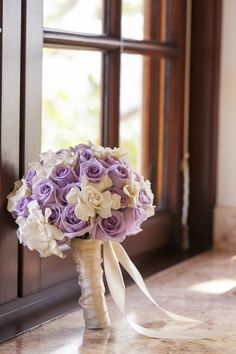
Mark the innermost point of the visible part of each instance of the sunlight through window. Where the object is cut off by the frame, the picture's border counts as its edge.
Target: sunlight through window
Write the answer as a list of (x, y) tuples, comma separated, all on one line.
[(215, 286)]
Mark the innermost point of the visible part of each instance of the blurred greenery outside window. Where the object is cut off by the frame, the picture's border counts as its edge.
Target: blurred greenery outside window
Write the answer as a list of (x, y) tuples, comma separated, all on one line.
[(72, 79)]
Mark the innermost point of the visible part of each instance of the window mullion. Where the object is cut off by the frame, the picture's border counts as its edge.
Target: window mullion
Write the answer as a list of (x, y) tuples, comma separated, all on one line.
[(111, 76), (151, 96), (10, 18), (31, 88), (175, 74)]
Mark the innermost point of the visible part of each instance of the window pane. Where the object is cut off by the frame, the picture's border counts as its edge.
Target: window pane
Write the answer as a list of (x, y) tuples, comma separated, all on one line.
[(131, 107), (71, 97), (74, 15), (133, 19)]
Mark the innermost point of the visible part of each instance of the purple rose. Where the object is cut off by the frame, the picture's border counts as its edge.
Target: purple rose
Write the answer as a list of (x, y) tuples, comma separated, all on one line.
[(134, 217), (55, 217), (80, 147), (30, 175), (111, 228), (71, 225), (140, 215), (144, 198), (21, 207), (123, 196), (63, 174), (64, 191), (119, 174), (112, 160), (92, 169), (45, 192), (84, 154)]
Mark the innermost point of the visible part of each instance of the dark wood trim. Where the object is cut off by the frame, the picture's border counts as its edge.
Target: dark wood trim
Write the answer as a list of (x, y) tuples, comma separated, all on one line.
[(204, 98), (31, 90), (151, 96), (111, 18), (9, 143), (111, 77), (26, 313), (156, 234), (174, 116), (111, 99), (74, 40)]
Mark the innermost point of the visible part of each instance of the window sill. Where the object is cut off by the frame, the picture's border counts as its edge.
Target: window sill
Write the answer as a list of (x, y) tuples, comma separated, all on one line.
[(176, 289), (23, 314)]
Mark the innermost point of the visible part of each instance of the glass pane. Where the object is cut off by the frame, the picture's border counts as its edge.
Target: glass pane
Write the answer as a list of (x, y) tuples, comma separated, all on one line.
[(133, 19), (74, 15), (131, 107), (71, 98)]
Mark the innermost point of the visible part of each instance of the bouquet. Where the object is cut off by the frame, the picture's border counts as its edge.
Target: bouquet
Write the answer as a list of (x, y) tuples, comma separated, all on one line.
[(85, 191), (89, 196)]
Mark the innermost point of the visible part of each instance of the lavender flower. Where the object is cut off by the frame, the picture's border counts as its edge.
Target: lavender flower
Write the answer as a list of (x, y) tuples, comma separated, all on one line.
[(71, 225), (111, 228), (112, 160), (30, 175), (119, 174), (144, 199), (45, 192), (64, 191), (63, 174), (93, 170), (84, 151), (21, 207), (55, 217)]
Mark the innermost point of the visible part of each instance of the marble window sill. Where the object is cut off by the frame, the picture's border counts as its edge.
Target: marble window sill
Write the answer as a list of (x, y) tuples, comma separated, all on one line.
[(203, 287)]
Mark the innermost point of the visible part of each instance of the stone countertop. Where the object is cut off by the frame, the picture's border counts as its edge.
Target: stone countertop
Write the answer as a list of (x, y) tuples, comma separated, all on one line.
[(203, 287)]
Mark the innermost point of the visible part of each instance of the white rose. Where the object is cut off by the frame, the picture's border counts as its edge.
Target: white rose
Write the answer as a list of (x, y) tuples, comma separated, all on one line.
[(66, 157), (131, 189), (146, 185), (104, 184), (92, 200), (20, 190), (37, 234), (119, 153), (104, 152), (150, 209)]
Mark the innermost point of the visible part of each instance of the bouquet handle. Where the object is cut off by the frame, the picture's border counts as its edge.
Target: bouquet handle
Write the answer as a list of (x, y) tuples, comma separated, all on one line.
[(87, 255)]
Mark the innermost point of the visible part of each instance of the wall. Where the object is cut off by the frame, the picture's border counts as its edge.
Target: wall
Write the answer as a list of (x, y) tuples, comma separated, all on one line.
[(225, 211)]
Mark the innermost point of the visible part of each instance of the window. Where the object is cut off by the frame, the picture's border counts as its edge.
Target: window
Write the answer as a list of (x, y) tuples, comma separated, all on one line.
[(119, 81)]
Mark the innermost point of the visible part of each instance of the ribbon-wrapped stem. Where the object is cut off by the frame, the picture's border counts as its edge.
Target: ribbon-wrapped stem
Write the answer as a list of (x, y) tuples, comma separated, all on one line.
[(87, 254)]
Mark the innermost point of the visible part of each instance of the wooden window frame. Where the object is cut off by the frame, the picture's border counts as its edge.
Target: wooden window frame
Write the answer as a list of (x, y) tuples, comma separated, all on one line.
[(9, 143), (165, 42), (206, 20)]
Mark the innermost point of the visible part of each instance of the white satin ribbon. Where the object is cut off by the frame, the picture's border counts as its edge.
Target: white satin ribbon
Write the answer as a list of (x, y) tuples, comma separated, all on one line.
[(87, 255), (113, 254)]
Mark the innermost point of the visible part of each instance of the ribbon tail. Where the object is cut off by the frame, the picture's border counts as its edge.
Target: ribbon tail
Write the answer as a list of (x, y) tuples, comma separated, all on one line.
[(112, 256), (114, 276), (129, 266)]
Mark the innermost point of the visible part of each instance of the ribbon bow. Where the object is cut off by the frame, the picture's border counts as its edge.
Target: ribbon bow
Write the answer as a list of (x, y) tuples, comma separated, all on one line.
[(113, 254)]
